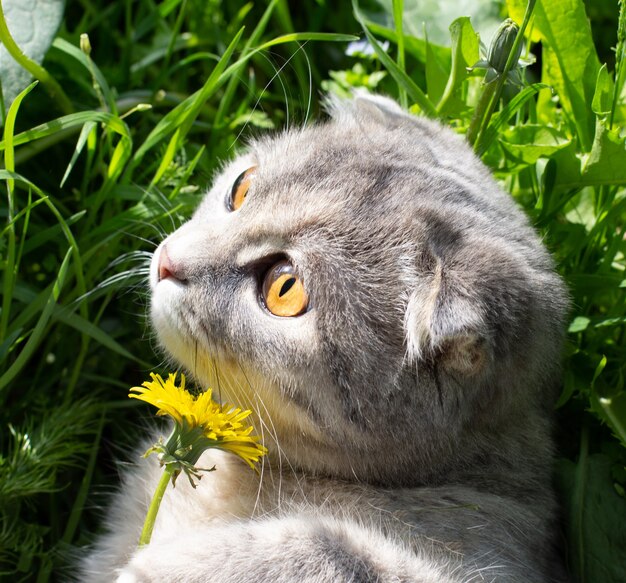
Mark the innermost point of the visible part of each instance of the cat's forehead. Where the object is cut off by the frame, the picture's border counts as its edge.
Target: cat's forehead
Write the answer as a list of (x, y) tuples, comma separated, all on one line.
[(338, 167)]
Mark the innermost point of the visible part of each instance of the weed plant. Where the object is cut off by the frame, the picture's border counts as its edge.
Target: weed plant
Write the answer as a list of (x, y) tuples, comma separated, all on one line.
[(157, 94)]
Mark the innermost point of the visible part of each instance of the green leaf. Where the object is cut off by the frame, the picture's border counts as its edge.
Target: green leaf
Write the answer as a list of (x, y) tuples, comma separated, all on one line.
[(594, 519), (437, 73), (568, 166), (82, 140), (603, 95), (530, 142), (579, 324), (564, 26), (398, 8), (606, 163), (33, 26), (485, 14), (55, 126), (464, 54)]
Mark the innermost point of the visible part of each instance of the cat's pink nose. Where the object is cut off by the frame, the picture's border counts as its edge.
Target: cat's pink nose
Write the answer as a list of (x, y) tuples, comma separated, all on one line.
[(167, 269)]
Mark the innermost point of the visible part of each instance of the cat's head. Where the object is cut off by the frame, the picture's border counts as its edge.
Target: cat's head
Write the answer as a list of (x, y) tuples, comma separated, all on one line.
[(368, 290)]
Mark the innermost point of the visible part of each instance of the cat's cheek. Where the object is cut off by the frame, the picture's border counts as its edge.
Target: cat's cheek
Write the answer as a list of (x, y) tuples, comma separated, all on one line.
[(165, 318)]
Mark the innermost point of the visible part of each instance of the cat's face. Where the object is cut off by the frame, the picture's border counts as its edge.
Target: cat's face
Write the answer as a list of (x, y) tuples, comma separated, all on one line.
[(365, 287)]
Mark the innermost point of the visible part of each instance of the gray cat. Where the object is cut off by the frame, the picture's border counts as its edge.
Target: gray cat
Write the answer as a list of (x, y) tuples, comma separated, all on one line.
[(396, 325)]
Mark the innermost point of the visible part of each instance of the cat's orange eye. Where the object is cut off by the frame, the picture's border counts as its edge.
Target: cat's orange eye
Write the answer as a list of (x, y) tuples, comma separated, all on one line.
[(283, 291), (240, 189)]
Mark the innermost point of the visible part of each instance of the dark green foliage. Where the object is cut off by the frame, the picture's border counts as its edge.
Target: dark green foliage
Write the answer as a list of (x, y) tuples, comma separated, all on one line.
[(167, 91)]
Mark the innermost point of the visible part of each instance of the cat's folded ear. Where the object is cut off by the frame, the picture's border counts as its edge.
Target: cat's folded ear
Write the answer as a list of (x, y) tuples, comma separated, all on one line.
[(365, 107), (446, 323)]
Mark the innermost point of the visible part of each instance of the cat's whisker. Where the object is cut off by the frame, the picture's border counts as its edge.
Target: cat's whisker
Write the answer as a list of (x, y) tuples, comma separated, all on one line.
[(136, 276), (248, 397), (267, 424), (309, 101), (145, 240), (276, 75)]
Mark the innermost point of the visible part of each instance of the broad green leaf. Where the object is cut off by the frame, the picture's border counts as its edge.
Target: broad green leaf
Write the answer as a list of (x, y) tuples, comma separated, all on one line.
[(33, 25), (594, 519), (606, 163), (172, 147), (516, 10), (485, 15), (564, 26), (36, 302), (568, 168), (464, 54), (95, 332), (530, 142), (437, 73)]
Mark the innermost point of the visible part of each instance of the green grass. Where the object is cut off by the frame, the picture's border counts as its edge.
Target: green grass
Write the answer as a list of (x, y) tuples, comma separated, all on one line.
[(167, 91)]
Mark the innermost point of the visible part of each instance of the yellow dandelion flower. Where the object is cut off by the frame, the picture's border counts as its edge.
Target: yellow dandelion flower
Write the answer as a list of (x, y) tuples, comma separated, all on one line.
[(221, 425), (199, 424)]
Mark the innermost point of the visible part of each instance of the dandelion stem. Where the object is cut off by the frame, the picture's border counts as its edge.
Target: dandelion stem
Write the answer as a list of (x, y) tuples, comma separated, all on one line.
[(483, 111), (148, 525)]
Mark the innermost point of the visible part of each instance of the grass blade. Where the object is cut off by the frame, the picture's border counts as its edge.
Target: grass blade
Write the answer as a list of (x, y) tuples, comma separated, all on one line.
[(398, 9), (39, 329), (10, 270), (402, 79)]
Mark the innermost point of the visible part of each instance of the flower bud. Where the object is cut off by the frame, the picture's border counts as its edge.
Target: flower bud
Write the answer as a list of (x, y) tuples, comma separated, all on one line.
[(501, 45), (85, 45)]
